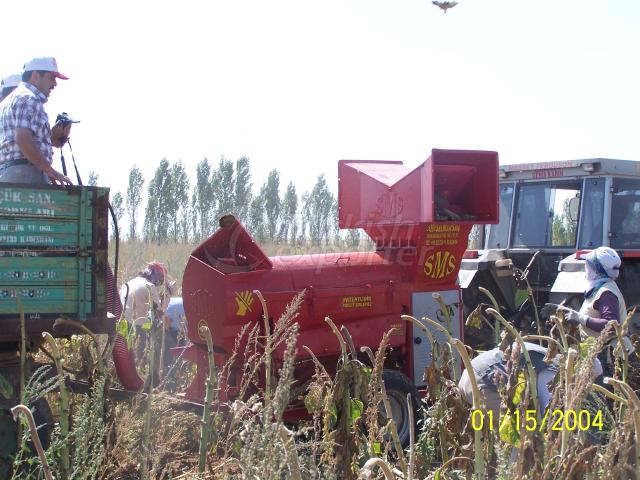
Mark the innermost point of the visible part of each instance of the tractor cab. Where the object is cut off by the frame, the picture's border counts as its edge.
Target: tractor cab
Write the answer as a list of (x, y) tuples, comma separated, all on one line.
[(548, 212)]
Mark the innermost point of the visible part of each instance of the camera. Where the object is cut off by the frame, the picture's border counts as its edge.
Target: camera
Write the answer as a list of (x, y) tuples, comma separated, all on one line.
[(64, 119)]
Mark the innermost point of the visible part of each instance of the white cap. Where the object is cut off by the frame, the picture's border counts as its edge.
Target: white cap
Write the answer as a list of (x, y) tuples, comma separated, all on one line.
[(48, 64), (11, 81)]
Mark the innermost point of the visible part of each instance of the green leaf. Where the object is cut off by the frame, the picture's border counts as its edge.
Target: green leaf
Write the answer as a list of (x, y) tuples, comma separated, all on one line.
[(521, 296), (357, 407), (585, 347), (377, 449), (367, 372), (122, 328), (509, 431), (519, 390), (6, 389), (333, 415)]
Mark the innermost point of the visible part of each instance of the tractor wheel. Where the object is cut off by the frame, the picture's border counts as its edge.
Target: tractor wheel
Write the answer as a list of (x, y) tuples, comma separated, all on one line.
[(397, 386)]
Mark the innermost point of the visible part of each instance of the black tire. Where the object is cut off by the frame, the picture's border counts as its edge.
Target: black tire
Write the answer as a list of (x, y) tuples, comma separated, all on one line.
[(9, 442), (398, 385), (43, 417)]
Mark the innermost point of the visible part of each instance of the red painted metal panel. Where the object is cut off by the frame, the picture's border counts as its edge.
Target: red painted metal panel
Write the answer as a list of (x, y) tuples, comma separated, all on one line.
[(419, 220)]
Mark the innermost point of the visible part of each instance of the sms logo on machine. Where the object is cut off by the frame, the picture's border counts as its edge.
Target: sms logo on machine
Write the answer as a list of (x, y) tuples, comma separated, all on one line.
[(244, 301), (440, 264)]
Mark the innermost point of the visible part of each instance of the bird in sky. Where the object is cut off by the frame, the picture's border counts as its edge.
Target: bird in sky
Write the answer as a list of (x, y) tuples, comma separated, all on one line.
[(446, 5)]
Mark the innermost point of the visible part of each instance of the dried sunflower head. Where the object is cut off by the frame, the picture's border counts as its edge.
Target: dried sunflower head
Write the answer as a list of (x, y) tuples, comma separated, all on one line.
[(475, 318)]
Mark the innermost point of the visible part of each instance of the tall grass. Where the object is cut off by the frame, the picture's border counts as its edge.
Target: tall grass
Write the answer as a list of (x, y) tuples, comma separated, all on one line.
[(247, 438)]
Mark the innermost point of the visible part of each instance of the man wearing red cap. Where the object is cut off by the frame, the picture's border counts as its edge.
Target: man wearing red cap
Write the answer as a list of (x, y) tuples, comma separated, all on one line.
[(26, 137), (142, 294)]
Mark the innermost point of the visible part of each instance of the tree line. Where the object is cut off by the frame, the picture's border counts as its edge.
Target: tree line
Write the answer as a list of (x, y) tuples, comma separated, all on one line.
[(177, 211)]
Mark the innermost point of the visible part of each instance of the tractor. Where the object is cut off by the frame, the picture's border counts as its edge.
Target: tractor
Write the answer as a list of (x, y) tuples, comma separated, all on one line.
[(551, 214)]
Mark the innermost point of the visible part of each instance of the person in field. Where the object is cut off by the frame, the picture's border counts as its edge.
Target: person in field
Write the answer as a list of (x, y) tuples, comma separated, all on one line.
[(144, 292), (174, 321), (491, 372), (174, 334), (603, 302), (148, 292), (492, 369)]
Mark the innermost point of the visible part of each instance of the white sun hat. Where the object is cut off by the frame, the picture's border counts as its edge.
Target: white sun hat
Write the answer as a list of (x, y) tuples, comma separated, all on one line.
[(48, 64), (11, 81), (603, 261)]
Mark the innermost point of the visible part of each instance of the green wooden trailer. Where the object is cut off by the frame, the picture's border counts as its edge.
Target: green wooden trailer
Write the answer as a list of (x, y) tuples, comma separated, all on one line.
[(53, 263), (53, 258)]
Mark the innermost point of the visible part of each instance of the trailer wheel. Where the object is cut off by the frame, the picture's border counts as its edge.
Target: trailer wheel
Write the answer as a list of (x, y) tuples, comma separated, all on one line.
[(397, 385)]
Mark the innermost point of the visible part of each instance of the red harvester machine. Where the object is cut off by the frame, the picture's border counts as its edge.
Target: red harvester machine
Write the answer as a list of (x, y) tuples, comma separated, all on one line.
[(419, 220)]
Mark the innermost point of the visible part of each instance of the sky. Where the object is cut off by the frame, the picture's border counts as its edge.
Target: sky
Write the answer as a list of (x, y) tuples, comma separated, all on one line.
[(297, 85)]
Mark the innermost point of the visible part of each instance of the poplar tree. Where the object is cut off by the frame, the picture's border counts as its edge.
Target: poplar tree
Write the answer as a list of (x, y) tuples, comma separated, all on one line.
[(193, 217), (203, 200), (257, 217), (242, 193), (353, 238), (305, 219), (272, 203), (223, 188), (134, 198), (179, 201), (93, 179), (319, 211), (334, 226), (289, 210), (118, 210), (157, 221)]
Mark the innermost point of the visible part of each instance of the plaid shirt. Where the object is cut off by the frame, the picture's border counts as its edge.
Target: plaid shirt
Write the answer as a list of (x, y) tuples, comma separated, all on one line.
[(24, 108)]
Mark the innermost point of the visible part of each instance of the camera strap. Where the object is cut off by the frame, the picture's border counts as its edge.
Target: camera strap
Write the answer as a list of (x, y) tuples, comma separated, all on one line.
[(74, 163), (64, 164)]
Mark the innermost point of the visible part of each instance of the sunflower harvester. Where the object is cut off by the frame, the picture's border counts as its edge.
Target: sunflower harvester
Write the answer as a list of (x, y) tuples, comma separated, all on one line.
[(419, 221)]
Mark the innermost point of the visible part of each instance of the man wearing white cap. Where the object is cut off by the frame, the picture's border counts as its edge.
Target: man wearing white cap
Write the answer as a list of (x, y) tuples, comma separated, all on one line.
[(26, 138), (8, 84)]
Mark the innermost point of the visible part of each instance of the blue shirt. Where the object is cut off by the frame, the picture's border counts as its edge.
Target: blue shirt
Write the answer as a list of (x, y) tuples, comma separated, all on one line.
[(175, 312), (490, 365)]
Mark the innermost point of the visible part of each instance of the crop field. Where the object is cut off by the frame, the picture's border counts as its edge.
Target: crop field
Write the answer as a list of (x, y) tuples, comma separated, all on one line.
[(590, 430)]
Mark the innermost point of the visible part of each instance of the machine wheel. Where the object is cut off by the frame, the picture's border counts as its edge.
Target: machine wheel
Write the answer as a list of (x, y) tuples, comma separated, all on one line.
[(397, 386)]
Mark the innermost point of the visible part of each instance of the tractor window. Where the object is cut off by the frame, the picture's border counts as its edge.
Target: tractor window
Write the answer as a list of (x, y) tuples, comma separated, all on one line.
[(625, 213), (542, 215), (498, 235), (592, 213)]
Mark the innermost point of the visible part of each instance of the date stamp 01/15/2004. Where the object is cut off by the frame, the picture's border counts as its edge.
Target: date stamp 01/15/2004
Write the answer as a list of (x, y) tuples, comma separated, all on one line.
[(557, 419)]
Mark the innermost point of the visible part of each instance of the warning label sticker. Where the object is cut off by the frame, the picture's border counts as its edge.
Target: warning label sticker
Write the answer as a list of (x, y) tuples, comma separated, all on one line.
[(363, 301)]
